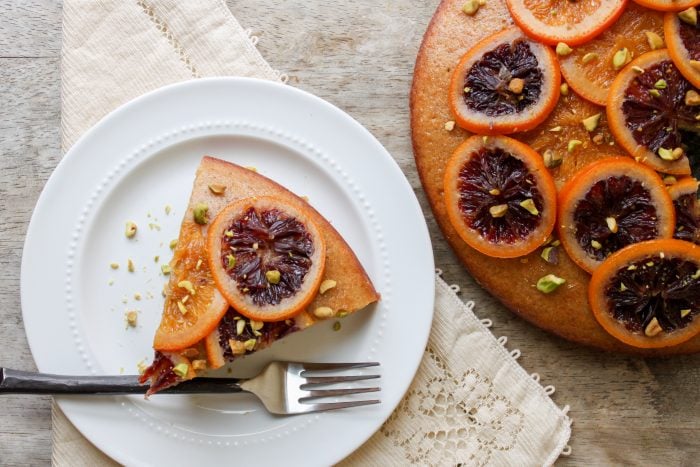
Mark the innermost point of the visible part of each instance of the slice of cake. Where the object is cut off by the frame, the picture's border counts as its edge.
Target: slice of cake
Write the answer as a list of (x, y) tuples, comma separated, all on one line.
[(253, 263)]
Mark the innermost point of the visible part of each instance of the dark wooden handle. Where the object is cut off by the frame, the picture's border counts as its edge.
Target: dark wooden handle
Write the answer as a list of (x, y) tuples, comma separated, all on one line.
[(27, 382)]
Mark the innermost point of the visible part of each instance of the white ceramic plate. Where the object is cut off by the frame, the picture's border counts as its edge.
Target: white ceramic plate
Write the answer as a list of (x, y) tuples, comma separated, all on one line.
[(141, 158)]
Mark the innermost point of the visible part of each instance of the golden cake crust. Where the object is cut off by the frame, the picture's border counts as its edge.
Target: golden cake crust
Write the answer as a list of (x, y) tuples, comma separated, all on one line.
[(564, 312)]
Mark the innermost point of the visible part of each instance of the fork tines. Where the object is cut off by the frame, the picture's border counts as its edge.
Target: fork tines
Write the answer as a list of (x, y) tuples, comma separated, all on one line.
[(310, 382)]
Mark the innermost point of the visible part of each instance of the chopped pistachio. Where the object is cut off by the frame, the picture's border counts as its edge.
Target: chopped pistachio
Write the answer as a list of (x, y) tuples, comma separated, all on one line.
[(689, 16), (110, 282), (467, 90), (228, 233), (131, 229), (685, 312), (591, 123), (631, 267), (529, 206), (137, 296), (621, 58), (596, 244), (198, 265), (654, 93), (187, 285), (649, 263), (549, 254), (199, 365), (470, 7), (670, 180), (256, 325), (638, 69), (181, 369), (156, 258), (240, 326), (130, 265), (498, 210), (132, 318), (573, 144), (653, 328), (692, 98), (200, 213), (555, 129), (449, 126), (563, 49), (273, 276), (230, 262), (623, 287), (564, 89), (168, 209), (696, 275), (612, 224), (677, 153), (217, 189), (516, 85), (114, 265), (549, 283), (556, 243), (337, 326), (589, 57), (165, 269), (327, 285), (667, 154), (173, 244), (552, 159), (661, 84), (250, 344), (342, 314), (323, 312), (182, 308), (494, 191), (252, 168), (654, 40)]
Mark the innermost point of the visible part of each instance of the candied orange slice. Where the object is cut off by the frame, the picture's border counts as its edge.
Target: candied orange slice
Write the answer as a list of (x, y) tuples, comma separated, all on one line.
[(193, 305), (566, 144), (499, 196), (591, 68), (504, 84), (553, 21), (668, 5), (648, 112), (267, 257), (648, 294), (613, 203), (684, 194), (683, 41)]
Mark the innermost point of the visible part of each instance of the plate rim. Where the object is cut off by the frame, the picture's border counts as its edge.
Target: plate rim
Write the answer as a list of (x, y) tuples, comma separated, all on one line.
[(60, 172)]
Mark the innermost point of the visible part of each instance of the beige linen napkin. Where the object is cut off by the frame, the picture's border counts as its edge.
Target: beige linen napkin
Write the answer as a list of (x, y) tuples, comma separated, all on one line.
[(470, 401)]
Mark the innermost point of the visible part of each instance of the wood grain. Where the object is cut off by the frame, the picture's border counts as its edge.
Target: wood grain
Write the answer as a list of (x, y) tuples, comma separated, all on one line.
[(358, 55)]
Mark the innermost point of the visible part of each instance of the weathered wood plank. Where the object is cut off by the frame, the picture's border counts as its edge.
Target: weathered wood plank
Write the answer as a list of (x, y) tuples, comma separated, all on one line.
[(358, 55)]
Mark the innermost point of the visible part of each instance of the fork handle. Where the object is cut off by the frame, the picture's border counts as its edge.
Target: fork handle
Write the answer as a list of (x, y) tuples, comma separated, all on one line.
[(27, 382)]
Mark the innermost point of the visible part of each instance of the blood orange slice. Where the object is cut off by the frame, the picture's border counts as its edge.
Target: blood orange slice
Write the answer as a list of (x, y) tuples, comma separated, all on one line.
[(683, 39), (668, 5), (591, 68), (499, 196), (648, 294), (684, 194), (267, 257), (553, 21), (613, 203), (193, 305), (506, 83), (649, 111)]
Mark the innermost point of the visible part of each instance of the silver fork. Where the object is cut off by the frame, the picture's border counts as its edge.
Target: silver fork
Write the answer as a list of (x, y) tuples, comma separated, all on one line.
[(285, 388)]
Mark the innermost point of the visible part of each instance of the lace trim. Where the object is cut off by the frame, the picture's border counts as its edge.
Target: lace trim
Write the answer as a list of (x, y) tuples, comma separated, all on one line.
[(254, 39), (564, 450), (165, 31)]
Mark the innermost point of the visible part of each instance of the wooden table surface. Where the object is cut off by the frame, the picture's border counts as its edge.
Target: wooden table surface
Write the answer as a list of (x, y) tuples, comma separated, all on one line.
[(358, 55)]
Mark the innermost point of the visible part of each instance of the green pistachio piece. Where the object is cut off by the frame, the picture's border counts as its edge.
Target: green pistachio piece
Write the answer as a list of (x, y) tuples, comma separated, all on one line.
[(591, 123), (130, 230), (563, 49), (549, 283), (529, 206), (181, 369), (200, 213)]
